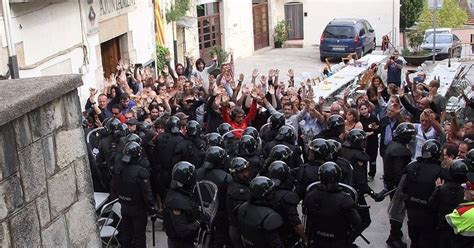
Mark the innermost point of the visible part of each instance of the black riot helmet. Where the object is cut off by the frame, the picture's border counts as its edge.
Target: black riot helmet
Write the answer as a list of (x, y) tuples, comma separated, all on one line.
[(336, 124), (431, 149), (458, 171), (134, 137), (287, 134), (124, 131), (280, 152), (173, 125), (237, 165), (114, 127), (261, 188), (329, 173), (248, 144), (278, 171), (334, 148), (132, 151), (144, 126), (225, 129), (404, 132), (215, 157), (106, 124), (193, 128), (183, 175), (214, 139), (357, 138), (319, 148), (277, 120), (252, 132)]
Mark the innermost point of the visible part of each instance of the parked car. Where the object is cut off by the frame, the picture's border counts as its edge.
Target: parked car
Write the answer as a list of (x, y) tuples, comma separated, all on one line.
[(445, 43), (344, 36), (430, 31)]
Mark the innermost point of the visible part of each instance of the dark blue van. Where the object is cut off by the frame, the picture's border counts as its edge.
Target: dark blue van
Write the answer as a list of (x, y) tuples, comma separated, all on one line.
[(344, 36)]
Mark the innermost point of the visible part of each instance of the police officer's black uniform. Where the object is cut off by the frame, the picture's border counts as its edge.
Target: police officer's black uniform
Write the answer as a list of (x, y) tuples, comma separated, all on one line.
[(332, 219), (237, 193), (182, 219), (278, 152), (344, 164), (286, 136), (230, 142), (248, 149), (191, 148), (396, 157), (213, 170), (419, 185), (318, 151), (353, 151), (108, 150), (135, 197), (446, 198), (269, 131), (257, 221), (285, 203), (162, 157)]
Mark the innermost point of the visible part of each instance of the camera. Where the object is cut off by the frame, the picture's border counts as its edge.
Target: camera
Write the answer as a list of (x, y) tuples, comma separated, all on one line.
[(392, 57)]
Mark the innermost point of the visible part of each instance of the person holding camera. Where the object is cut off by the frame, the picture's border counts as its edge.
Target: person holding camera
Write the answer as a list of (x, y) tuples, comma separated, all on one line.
[(394, 69)]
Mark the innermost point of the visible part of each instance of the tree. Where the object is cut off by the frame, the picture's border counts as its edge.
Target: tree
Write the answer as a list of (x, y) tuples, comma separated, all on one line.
[(450, 16), (410, 11)]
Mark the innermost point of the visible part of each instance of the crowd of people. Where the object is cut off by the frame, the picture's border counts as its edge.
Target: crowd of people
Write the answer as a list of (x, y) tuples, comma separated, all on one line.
[(267, 145)]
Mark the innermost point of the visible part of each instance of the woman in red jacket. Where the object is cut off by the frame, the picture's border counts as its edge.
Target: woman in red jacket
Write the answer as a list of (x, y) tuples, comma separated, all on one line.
[(237, 118)]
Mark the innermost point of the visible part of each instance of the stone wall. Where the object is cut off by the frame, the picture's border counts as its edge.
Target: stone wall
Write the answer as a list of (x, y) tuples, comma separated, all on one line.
[(46, 195)]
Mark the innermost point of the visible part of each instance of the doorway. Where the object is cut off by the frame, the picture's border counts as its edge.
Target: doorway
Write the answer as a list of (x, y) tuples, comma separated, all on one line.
[(260, 25), (110, 51), (209, 28), (294, 15)]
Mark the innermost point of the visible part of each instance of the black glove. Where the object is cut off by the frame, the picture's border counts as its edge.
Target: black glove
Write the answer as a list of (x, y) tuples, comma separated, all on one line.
[(153, 214), (378, 197)]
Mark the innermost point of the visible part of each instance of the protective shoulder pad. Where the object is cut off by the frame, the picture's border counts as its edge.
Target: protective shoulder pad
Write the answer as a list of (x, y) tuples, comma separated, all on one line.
[(291, 198), (143, 173), (346, 201), (272, 221)]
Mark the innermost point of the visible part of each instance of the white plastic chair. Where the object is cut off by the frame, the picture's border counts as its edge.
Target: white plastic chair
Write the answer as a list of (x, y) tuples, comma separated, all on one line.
[(109, 232), (105, 211)]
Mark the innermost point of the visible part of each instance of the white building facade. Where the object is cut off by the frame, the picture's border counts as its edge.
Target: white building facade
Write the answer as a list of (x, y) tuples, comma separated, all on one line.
[(83, 36)]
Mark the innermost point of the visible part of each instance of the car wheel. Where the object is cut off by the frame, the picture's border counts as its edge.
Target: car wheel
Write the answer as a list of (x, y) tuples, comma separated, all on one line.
[(360, 53), (374, 46)]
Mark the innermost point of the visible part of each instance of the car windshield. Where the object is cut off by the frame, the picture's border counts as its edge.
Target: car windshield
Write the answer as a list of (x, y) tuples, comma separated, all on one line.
[(440, 38), (338, 32)]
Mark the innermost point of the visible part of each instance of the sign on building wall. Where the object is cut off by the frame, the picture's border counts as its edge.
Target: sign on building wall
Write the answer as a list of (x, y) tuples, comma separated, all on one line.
[(112, 8)]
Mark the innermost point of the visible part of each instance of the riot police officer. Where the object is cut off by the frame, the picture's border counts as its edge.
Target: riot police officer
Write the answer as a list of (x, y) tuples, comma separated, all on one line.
[(335, 126), (344, 164), (419, 185), (278, 152), (214, 139), (108, 150), (447, 195), (269, 131), (237, 193), (214, 170), (353, 149), (318, 151), (230, 142), (191, 148), (257, 221), (285, 203), (331, 216), (182, 219), (286, 136), (396, 157), (162, 156), (135, 197), (248, 149)]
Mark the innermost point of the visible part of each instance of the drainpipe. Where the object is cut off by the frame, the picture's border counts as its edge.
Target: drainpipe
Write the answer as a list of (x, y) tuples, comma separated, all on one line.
[(12, 59)]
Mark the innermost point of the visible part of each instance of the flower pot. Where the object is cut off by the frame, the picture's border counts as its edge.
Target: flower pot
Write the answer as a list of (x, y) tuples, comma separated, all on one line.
[(278, 44), (416, 60)]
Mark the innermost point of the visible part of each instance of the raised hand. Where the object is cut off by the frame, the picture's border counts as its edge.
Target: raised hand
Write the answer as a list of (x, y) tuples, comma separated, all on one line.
[(241, 77), (291, 73), (271, 73), (255, 73)]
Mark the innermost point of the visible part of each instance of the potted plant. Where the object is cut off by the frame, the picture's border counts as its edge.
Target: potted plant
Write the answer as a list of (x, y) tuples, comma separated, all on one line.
[(281, 33), (415, 55)]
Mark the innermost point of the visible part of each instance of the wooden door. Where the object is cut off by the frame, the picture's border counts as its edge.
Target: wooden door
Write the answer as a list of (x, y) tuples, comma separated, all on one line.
[(294, 15), (260, 25), (110, 51)]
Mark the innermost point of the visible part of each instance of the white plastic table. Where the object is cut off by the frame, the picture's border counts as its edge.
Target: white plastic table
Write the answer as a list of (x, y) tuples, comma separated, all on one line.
[(446, 75), (100, 198), (345, 75)]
